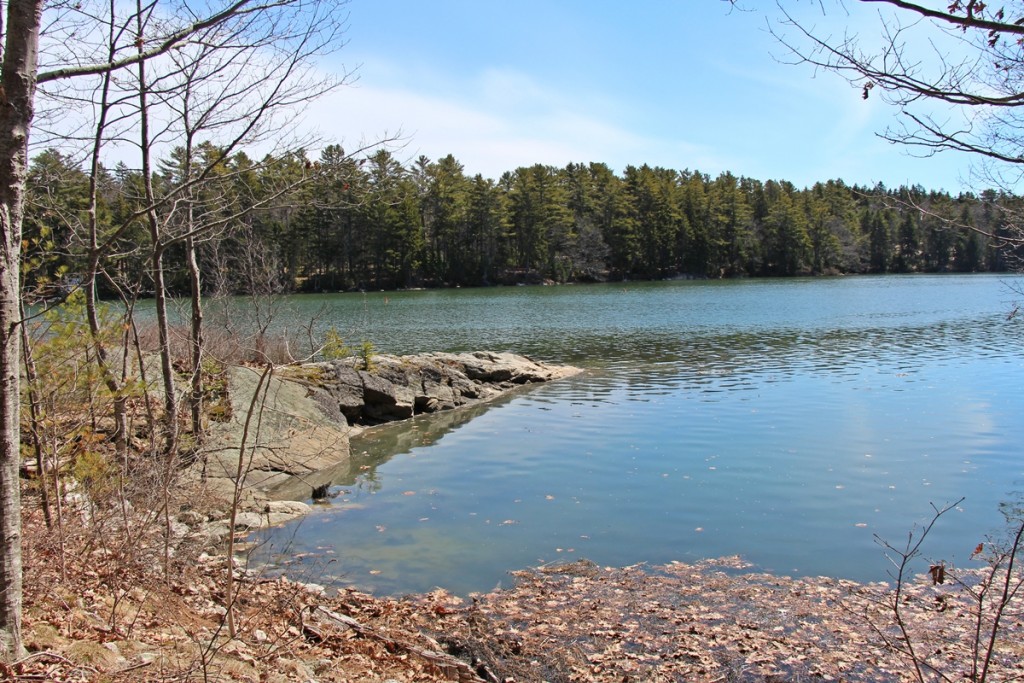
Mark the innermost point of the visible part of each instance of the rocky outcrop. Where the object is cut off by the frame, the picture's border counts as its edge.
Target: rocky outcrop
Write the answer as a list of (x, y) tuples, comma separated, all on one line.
[(306, 414), (398, 387), (289, 436)]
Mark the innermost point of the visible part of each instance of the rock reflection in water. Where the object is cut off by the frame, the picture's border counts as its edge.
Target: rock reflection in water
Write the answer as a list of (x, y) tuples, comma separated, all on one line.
[(377, 445)]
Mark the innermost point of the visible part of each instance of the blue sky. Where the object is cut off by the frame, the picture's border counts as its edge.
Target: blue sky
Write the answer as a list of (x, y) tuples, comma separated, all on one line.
[(686, 84)]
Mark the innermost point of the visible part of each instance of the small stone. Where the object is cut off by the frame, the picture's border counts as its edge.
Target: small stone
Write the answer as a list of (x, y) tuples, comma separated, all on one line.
[(191, 518), (289, 507), (244, 521), (179, 530)]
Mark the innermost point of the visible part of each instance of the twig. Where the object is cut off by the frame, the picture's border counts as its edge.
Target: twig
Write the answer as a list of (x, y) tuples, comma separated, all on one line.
[(52, 655), (133, 667), (447, 664)]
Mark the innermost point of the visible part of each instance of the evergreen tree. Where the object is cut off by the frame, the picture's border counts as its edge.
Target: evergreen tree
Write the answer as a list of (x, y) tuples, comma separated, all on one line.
[(879, 240), (731, 220), (488, 225), (652, 193), (907, 258), (785, 242)]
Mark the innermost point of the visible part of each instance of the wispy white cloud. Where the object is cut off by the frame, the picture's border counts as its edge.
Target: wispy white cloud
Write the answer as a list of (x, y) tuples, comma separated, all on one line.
[(495, 122), (753, 117)]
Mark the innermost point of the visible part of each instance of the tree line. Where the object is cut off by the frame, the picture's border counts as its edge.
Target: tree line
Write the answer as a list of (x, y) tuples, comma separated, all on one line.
[(375, 223)]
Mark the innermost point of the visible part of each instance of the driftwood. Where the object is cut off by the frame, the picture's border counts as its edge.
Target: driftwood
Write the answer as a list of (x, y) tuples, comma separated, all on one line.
[(452, 668)]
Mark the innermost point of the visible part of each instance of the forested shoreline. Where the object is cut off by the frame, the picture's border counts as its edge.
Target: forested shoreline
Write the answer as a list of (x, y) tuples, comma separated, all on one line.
[(350, 223)]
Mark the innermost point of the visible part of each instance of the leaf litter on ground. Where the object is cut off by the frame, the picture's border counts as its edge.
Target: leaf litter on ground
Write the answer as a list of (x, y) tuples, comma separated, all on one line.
[(94, 617)]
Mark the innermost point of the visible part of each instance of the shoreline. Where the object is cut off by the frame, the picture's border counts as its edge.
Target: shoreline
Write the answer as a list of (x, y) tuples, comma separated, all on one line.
[(310, 412), (715, 620)]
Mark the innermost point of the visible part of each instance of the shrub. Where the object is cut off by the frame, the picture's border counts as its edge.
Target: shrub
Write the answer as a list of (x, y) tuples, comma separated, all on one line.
[(334, 347)]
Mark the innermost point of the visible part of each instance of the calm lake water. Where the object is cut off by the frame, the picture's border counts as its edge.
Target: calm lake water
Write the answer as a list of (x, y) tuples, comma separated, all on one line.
[(786, 421)]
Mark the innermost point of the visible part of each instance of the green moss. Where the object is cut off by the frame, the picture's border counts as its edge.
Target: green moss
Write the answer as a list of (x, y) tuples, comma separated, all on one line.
[(216, 396), (307, 374)]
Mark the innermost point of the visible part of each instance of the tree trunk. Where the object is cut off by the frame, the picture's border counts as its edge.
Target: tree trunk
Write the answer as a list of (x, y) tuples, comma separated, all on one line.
[(17, 80), (157, 259), (92, 277), (196, 337), (120, 436), (166, 361), (32, 383)]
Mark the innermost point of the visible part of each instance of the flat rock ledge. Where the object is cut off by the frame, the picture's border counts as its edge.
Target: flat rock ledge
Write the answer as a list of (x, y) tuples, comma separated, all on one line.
[(398, 387), (305, 415)]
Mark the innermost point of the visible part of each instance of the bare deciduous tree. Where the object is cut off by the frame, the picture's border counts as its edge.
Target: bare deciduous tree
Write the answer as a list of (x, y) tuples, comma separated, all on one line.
[(989, 595), (58, 46), (953, 71)]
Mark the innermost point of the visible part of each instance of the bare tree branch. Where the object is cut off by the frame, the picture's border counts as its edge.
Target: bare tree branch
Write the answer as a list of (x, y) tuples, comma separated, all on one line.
[(163, 43)]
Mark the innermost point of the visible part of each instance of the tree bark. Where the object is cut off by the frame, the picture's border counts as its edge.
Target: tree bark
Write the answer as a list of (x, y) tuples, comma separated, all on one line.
[(17, 93), (32, 384), (196, 338), (157, 258), (114, 386)]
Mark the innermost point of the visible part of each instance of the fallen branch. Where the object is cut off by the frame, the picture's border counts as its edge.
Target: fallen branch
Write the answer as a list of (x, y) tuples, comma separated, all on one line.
[(450, 667)]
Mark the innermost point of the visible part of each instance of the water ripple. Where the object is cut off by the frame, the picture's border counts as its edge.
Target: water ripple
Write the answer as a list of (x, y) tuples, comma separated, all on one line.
[(788, 421)]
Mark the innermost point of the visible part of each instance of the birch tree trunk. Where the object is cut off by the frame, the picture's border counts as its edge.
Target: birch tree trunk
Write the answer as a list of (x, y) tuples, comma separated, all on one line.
[(17, 93)]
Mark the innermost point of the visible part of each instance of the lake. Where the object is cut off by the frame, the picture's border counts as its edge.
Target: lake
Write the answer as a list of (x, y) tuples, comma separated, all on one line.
[(788, 421)]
